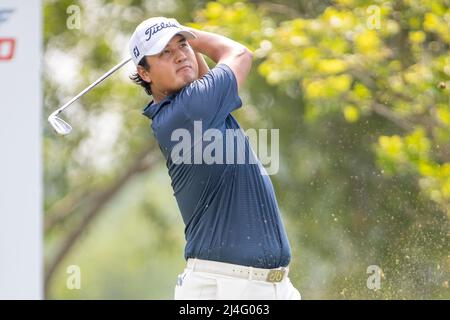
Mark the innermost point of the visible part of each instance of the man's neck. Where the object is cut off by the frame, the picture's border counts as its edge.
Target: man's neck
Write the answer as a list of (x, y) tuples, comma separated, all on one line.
[(158, 97)]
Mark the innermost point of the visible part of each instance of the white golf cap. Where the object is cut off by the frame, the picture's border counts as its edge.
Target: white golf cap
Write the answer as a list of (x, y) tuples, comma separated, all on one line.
[(152, 35)]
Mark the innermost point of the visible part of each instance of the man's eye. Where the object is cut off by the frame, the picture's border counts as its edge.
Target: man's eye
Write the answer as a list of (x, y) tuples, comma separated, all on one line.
[(164, 53)]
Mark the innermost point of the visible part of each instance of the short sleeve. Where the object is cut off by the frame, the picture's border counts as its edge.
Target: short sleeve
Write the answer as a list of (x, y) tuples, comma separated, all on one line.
[(213, 97)]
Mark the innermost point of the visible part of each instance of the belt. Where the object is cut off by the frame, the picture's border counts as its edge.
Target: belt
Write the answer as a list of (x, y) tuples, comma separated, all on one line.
[(235, 270)]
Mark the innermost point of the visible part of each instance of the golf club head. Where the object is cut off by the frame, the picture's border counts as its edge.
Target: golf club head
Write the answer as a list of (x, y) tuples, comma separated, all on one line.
[(61, 127)]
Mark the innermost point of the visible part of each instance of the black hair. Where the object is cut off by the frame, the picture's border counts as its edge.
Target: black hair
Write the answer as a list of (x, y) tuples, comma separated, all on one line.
[(136, 78)]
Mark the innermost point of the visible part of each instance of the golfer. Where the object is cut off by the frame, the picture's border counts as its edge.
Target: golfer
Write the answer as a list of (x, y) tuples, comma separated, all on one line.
[(236, 244)]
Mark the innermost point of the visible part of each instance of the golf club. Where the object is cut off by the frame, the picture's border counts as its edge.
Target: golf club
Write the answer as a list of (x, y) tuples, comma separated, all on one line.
[(63, 128)]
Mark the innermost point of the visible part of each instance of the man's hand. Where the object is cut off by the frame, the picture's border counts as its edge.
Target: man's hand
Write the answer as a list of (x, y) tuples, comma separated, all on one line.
[(223, 50)]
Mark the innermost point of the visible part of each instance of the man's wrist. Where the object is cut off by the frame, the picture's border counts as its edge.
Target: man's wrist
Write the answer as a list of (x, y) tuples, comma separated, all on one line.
[(193, 42)]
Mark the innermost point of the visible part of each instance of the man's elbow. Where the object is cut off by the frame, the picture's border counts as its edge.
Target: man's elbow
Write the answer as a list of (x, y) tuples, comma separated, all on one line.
[(246, 54), (249, 55), (240, 61), (245, 58)]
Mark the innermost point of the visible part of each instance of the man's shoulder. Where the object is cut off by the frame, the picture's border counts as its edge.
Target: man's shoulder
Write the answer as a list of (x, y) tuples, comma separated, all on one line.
[(169, 115)]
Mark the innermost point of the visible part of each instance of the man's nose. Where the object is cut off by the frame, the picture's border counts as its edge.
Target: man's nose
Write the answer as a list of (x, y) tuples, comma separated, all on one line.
[(180, 56)]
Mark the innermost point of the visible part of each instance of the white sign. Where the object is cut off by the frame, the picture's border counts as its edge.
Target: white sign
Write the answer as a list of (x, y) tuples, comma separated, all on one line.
[(21, 265)]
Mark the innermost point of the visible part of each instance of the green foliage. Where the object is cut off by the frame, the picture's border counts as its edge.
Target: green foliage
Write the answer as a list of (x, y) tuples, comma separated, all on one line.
[(357, 57)]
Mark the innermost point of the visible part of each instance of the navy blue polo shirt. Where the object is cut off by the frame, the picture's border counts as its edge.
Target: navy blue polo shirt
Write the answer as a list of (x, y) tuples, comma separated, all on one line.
[(228, 205)]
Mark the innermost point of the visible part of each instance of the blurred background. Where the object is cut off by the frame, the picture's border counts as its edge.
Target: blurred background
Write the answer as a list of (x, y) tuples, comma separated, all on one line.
[(360, 92)]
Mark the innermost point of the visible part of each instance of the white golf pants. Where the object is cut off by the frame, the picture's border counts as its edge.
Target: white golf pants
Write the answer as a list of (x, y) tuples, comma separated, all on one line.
[(212, 280)]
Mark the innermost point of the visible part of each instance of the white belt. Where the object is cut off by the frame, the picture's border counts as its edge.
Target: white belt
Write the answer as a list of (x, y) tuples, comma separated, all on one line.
[(235, 270)]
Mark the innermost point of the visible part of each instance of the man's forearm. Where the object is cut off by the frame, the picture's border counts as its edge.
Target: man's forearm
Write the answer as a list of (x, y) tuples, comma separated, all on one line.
[(214, 45), (202, 65)]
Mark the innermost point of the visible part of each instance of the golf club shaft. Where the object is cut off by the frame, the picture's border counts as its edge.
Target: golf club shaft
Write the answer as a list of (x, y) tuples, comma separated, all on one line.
[(103, 77)]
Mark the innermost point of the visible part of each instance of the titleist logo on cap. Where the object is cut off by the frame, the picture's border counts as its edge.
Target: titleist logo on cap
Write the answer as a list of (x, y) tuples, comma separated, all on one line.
[(156, 28)]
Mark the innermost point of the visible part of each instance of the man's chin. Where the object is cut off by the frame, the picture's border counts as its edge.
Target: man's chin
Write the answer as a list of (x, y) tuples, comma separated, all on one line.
[(189, 81), (186, 81)]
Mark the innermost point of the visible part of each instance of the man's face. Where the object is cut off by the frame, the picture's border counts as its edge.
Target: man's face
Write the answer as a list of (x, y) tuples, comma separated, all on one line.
[(172, 69)]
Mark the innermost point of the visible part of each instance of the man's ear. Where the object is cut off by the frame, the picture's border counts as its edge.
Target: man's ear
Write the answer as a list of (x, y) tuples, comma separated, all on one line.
[(144, 74)]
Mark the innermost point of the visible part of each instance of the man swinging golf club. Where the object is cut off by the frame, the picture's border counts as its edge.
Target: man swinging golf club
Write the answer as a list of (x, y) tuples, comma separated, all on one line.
[(237, 246)]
